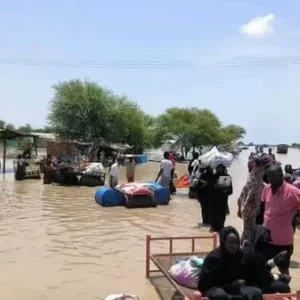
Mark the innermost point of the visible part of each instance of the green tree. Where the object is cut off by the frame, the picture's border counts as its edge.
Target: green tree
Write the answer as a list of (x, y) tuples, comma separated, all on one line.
[(229, 134), (129, 124), (10, 126), (25, 129), (190, 127), (176, 123), (206, 128), (80, 110), (2, 124), (84, 110), (25, 145)]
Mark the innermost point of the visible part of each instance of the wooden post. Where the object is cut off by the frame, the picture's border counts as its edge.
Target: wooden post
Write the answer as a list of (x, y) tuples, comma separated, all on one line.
[(4, 152), (35, 145), (148, 241)]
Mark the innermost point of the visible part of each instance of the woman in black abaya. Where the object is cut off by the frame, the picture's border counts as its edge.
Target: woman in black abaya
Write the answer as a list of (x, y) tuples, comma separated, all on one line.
[(222, 271), (222, 189)]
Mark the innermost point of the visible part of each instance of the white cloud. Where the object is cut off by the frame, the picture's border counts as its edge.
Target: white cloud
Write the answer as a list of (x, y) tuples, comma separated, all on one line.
[(259, 26)]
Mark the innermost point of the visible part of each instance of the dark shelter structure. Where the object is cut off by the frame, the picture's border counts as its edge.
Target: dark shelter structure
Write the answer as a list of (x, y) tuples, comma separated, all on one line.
[(8, 134)]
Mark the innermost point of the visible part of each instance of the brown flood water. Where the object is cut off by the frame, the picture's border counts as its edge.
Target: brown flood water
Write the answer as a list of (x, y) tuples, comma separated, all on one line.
[(57, 243)]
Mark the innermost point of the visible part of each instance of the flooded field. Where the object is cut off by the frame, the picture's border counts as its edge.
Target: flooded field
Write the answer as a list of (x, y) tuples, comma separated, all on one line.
[(58, 243)]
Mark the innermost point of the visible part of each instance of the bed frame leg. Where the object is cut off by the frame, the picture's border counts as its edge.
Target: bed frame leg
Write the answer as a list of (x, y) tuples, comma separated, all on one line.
[(148, 240)]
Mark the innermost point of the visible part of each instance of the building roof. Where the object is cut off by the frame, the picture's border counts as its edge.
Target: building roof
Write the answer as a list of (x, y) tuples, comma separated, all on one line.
[(12, 134), (50, 136)]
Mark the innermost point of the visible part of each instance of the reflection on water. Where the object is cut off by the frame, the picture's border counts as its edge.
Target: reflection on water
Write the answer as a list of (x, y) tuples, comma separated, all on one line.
[(58, 243)]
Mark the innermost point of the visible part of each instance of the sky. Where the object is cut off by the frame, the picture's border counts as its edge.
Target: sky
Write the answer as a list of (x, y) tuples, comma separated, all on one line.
[(244, 56)]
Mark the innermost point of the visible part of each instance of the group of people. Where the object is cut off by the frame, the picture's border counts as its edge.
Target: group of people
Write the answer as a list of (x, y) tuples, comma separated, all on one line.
[(243, 272), (114, 170), (51, 166), (212, 187), (269, 205), (268, 199)]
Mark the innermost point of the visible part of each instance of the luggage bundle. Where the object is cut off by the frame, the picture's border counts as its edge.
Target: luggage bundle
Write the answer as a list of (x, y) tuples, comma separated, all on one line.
[(214, 157)]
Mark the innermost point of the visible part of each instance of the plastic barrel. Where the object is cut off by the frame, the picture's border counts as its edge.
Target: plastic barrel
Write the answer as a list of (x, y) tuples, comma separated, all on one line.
[(106, 196), (141, 158), (162, 194)]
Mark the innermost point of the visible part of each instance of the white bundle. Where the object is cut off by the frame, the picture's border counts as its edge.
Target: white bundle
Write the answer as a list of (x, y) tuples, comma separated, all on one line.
[(214, 157), (94, 167), (122, 297)]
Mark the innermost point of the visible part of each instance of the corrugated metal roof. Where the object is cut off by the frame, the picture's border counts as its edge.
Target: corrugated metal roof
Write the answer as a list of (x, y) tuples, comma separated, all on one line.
[(50, 136)]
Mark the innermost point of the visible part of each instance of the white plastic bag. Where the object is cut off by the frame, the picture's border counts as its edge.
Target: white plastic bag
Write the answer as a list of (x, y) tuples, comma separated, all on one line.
[(186, 273), (213, 158), (122, 297), (94, 167), (206, 158)]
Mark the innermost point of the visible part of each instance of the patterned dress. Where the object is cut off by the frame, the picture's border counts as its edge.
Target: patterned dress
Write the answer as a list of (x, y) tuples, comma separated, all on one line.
[(249, 200)]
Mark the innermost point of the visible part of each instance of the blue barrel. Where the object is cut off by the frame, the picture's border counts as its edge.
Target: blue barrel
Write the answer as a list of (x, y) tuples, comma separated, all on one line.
[(106, 196), (141, 158), (162, 194)]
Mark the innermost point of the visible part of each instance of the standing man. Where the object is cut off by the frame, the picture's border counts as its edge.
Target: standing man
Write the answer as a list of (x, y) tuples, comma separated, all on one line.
[(165, 171), (130, 169), (281, 200), (173, 160), (114, 173)]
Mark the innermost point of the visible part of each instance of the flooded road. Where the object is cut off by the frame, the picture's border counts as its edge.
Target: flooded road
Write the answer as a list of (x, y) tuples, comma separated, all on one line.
[(58, 243)]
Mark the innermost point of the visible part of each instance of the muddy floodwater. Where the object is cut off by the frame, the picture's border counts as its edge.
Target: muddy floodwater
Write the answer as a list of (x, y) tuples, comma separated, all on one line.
[(58, 243)]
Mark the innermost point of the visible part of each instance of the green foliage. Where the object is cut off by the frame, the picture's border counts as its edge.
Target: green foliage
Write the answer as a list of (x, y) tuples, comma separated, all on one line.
[(193, 127), (25, 146), (230, 134), (85, 110), (2, 124), (25, 129)]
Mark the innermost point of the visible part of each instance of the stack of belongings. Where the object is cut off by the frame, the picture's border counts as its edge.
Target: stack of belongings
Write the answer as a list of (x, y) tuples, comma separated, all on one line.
[(214, 157), (93, 175), (186, 272), (137, 195)]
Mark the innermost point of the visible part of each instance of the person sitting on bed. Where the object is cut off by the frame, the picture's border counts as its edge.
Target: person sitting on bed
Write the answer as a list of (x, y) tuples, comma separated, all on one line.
[(257, 270), (221, 275)]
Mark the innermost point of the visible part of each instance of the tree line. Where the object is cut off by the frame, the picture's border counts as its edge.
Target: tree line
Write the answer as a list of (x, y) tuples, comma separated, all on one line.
[(85, 111)]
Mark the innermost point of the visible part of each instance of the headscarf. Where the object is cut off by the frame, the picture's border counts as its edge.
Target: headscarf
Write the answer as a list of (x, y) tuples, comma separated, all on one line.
[(219, 256), (222, 238), (221, 268), (249, 199), (225, 232), (260, 238), (223, 168)]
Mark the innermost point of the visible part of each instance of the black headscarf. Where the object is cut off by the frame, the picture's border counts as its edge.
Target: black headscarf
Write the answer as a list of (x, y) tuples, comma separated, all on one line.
[(256, 272), (224, 169), (260, 238), (223, 236), (220, 255), (221, 268)]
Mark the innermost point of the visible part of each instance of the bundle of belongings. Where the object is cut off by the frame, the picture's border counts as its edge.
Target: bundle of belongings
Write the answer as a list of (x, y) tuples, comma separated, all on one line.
[(186, 272), (94, 168), (214, 157), (122, 297)]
